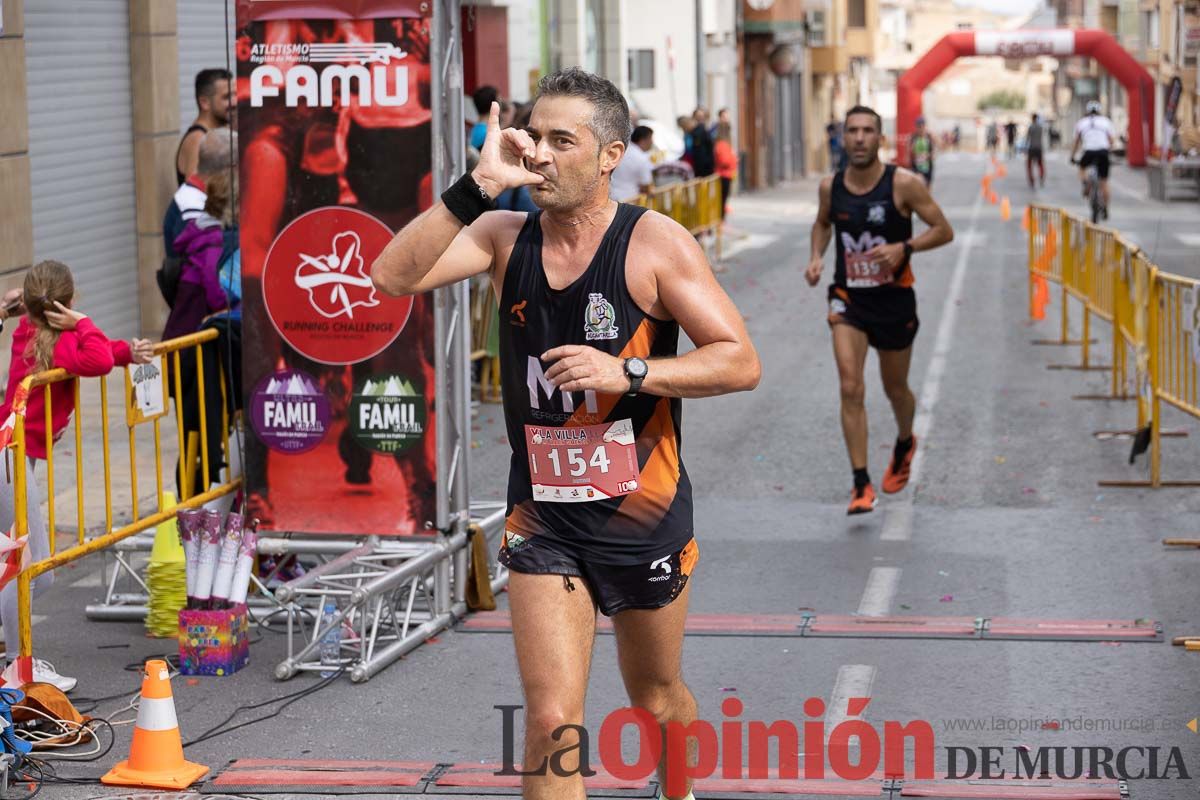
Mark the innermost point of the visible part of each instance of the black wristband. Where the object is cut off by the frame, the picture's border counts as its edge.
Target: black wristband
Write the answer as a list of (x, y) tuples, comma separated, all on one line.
[(467, 200)]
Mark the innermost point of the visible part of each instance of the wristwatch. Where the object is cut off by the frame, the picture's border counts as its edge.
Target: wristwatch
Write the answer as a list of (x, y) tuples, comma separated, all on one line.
[(635, 370), (908, 249)]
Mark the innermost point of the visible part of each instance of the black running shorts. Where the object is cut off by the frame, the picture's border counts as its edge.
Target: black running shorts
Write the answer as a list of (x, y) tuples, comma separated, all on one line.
[(1097, 157), (614, 588), (887, 316)]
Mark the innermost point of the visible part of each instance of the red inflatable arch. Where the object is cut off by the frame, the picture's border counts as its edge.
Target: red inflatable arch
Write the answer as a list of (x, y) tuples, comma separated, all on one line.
[(1026, 44)]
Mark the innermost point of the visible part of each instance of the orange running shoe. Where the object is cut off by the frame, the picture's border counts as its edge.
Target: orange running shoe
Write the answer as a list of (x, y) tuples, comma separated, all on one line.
[(862, 500), (895, 477)]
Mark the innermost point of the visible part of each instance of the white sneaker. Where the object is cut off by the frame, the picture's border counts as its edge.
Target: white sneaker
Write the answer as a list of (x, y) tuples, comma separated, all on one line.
[(44, 672)]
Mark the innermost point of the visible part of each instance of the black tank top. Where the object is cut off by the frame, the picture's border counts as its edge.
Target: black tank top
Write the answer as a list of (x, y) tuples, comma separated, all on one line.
[(179, 176), (861, 222), (597, 311)]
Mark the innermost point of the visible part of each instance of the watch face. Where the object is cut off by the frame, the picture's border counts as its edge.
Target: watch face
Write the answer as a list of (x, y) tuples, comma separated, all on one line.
[(636, 367)]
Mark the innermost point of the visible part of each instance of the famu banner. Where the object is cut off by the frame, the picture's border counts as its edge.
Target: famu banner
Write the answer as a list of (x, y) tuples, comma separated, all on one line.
[(334, 136)]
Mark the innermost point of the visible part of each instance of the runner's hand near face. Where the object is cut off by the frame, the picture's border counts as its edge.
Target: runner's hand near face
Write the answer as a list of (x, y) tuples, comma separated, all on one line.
[(578, 367), (502, 158)]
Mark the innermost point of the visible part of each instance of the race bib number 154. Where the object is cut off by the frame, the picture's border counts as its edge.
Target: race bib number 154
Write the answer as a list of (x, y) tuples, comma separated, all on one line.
[(582, 464)]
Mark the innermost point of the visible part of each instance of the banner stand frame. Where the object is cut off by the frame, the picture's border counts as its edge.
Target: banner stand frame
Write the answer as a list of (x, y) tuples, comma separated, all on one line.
[(393, 594)]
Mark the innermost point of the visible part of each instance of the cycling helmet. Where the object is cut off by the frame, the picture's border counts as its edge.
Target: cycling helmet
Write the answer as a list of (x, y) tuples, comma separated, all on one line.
[(1093, 107)]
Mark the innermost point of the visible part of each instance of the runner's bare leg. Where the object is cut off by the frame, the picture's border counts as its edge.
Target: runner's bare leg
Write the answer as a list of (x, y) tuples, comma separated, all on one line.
[(850, 352), (650, 651), (893, 367), (553, 630)]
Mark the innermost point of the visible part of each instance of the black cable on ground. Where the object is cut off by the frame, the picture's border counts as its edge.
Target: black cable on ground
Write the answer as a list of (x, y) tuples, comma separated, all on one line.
[(294, 697)]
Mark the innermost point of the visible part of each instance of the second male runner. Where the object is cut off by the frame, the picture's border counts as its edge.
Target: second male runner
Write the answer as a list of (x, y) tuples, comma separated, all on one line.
[(869, 205)]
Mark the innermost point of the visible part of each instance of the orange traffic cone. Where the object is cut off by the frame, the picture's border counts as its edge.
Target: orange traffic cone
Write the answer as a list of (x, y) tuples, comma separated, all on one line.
[(1025, 218), (993, 198), (1041, 297), (1001, 171), (1005, 209), (156, 755)]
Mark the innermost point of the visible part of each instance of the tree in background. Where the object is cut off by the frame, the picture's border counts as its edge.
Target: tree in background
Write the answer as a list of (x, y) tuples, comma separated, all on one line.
[(1008, 99)]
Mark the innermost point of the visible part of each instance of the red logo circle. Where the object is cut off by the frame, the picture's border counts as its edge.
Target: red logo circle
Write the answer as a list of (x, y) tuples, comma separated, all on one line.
[(317, 287)]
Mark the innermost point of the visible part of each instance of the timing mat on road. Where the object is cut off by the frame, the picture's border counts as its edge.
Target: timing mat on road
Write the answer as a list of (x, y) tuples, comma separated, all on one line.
[(346, 777), (814, 625)]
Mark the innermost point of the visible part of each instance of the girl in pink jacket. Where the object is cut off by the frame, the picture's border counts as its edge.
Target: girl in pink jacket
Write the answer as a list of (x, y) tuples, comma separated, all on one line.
[(50, 335)]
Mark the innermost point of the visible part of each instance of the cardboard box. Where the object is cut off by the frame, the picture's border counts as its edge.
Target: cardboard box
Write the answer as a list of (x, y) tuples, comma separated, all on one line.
[(213, 641)]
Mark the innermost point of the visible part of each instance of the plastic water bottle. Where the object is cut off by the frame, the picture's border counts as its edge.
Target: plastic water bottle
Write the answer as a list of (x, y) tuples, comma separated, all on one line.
[(331, 642)]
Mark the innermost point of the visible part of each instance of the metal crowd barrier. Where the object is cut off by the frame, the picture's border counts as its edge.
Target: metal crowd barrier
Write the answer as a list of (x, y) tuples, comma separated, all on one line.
[(172, 351), (694, 204), (393, 594), (1153, 316)]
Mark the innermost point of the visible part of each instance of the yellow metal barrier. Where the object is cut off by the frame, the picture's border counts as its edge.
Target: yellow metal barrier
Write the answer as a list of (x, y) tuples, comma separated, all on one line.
[(694, 204), (1174, 358), (1154, 317), (171, 351), (485, 344)]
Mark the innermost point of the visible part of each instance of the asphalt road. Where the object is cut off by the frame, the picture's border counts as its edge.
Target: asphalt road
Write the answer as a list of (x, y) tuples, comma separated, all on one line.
[(1004, 519)]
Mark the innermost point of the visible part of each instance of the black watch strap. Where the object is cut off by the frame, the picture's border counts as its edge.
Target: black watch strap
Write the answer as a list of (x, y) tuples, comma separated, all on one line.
[(908, 249)]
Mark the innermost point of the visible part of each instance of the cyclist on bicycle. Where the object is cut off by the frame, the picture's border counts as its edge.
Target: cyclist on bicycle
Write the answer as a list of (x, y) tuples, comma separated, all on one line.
[(1095, 133)]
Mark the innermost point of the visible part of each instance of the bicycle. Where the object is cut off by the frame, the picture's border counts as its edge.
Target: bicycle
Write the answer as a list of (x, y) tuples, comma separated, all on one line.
[(1091, 190)]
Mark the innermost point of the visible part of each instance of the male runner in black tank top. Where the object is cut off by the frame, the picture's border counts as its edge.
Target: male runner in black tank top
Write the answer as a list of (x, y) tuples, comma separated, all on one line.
[(871, 300), (593, 295), (214, 101)]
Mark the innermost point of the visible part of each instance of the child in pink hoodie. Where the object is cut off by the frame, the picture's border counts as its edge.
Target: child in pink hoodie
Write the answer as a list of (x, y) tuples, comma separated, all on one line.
[(50, 335)]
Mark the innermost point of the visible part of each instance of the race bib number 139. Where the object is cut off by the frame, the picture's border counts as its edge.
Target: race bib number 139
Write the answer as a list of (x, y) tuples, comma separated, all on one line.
[(582, 464), (863, 273)]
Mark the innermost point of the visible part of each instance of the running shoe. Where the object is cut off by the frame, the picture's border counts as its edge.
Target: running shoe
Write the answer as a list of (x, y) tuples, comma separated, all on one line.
[(44, 672), (862, 500), (896, 476)]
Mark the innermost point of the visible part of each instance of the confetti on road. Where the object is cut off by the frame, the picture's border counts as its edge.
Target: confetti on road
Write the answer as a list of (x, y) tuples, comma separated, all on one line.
[(947, 598)]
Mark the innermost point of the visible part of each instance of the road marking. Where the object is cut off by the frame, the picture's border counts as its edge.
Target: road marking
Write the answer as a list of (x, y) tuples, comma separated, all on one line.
[(1125, 190), (897, 525), (767, 208), (752, 241), (853, 680), (1189, 239), (881, 588)]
